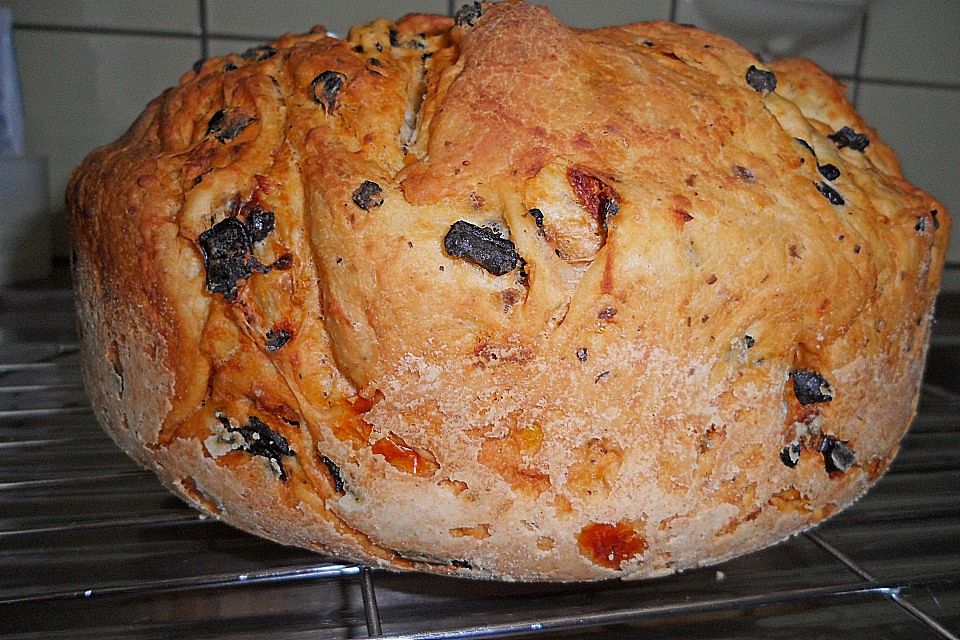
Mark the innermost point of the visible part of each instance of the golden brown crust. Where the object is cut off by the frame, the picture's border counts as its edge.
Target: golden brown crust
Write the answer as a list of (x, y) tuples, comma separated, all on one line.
[(619, 403)]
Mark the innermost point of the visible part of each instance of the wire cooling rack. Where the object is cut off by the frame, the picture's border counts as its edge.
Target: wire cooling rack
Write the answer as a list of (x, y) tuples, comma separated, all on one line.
[(93, 547)]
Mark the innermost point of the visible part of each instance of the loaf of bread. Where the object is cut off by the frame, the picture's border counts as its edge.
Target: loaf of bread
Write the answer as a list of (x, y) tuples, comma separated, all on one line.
[(494, 297)]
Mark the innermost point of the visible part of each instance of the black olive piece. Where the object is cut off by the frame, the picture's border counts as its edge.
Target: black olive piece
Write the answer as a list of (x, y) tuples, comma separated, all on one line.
[(198, 65), (830, 193), (744, 174), (761, 81), (334, 470), (283, 263), (330, 83), (227, 250), (829, 171), (921, 226), (749, 341), (790, 454), (375, 62), (261, 440), (368, 195), (806, 145), (277, 338), (837, 455), (226, 129), (582, 354), (259, 53), (482, 247), (523, 276), (231, 131), (260, 223), (426, 56), (378, 47), (537, 216), (394, 38), (847, 137), (810, 387), (358, 48), (933, 216), (467, 14), (230, 67), (609, 209), (216, 121)]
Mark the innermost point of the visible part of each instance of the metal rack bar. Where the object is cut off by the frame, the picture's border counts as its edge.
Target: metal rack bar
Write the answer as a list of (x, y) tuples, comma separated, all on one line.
[(45, 412), (209, 581), (895, 596), (167, 519), (29, 388), (580, 622), (70, 480), (370, 611)]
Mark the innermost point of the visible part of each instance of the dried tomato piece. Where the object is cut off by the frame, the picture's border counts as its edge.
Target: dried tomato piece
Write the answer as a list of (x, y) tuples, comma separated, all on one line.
[(329, 84), (405, 457), (847, 137), (596, 196), (761, 81), (482, 247), (610, 545)]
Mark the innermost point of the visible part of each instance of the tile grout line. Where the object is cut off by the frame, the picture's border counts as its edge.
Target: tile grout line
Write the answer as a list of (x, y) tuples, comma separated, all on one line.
[(858, 65), (95, 30), (673, 10), (204, 29), (206, 35), (899, 599)]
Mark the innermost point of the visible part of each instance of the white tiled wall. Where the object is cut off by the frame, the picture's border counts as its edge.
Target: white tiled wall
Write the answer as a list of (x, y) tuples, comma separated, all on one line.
[(268, 18), (89, 67), (165, 15)]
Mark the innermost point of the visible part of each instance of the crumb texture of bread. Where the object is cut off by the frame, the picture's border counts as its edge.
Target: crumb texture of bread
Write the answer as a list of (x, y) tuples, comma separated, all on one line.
[(495, 297)]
